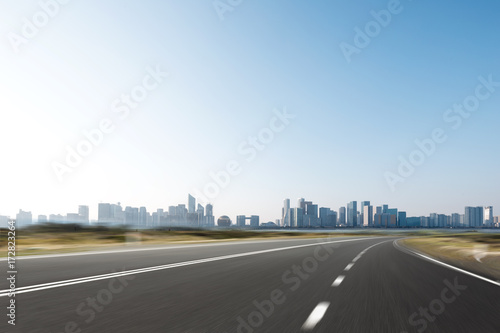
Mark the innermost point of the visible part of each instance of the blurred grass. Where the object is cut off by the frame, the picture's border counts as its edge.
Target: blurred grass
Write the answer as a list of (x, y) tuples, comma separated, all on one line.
[(461, 249), (58, 238)]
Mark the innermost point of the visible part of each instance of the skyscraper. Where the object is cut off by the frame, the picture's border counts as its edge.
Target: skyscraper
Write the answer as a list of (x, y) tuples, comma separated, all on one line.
[(104, 212), (191, 204), (342, 216), (352, 212), (367, 215), (488, 216), (298, 216), (83, 212), (301, 203), (286, 213), (402, 219), (24, 218), (210, 215)]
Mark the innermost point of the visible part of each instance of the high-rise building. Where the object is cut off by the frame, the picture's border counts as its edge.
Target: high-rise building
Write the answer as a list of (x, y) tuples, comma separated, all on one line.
[(241, 220), (298, 216), (301, 203), (143, 216), (83, 212), (342, 216), (323, 216), (104, 212), (23, 218), (210, 215), (352, 212), (433, 219), (311, 215), (285, 216), (367, 215), (455, 220), (362, 212), (488, 216), (254, 221), (474, 217), (191, 204)]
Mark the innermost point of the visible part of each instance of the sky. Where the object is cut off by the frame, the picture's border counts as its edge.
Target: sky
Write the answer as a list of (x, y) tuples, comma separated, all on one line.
[(282, 99)]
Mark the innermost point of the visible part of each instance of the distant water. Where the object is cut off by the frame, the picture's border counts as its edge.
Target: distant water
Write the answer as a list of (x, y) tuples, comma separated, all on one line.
[(384, 231)]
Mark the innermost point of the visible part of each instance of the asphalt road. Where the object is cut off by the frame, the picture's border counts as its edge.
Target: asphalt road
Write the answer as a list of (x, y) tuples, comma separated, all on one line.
[(353, 284)]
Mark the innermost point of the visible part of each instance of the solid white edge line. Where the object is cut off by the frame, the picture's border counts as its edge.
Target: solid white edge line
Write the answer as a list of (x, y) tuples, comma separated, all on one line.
[(315, 316), (419, 255), (338, 280), (169, 247), (57, 284)]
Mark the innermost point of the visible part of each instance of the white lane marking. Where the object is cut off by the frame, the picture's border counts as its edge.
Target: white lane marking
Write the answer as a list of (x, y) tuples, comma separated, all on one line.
[(338, 281), (348, 267), (315, 316), (365, 250), (406, 250), (169, 247), (57, 284)]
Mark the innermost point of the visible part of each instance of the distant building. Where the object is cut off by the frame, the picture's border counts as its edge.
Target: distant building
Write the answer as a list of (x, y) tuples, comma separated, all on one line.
[(209, 215), (191, 204), (83, 213), (42, 219), (402, 221), (254, 221), (285, 213), (241, 220), (24, 219), (299, 217), (367, 214), (224, 221), (352, 210), (488, 216), (474, 217), (342, 216)]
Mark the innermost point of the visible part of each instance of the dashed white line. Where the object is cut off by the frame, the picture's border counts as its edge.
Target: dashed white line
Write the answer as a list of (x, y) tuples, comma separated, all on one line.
[(315, 316), (338, 280), (348, 267)]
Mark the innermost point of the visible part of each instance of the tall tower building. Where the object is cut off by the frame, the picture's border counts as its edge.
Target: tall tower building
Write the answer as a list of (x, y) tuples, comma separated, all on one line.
[(342, 216), (352, 212), (488, 216), (24, 218), (210, 215), (83, 213), (286, 213), (301, 203), (367, 215), (191, 204)]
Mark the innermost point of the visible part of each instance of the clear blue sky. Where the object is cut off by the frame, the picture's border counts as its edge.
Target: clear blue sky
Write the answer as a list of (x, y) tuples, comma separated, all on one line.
[(352, 119)]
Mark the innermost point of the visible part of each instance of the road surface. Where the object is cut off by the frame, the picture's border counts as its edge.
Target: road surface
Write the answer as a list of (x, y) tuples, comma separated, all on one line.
[(352, 284)]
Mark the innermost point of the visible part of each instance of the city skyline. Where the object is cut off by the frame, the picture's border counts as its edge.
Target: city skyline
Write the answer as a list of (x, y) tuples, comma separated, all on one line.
[(305, 214)]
